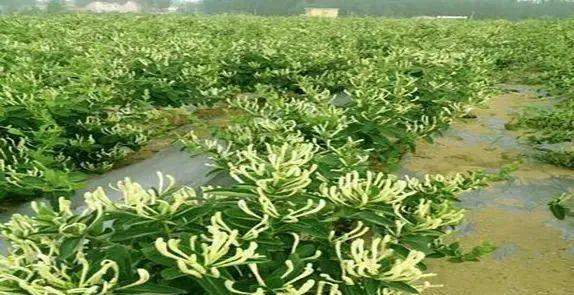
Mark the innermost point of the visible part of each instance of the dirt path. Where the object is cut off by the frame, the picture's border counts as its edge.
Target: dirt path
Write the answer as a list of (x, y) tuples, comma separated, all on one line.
[(535, 252)]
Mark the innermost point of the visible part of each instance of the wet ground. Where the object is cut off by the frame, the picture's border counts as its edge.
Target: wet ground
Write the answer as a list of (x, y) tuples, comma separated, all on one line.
[(161, 154), (535, 252)]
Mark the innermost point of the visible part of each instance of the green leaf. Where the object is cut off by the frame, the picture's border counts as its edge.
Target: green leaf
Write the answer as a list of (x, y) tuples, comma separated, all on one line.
[(558, 210), (401, 287), (172, 273), (69, 247), (371, 287), (419, 243), (195, 213), (274, 282), (152, 254), (352, 290), (368, 216), (152, 289), (149, 229), (306, 250), (122, 256), (311, 227), (213, 286)]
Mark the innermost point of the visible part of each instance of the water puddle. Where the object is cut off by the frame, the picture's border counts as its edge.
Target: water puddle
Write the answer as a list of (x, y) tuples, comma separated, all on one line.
[(160, 154), (535, 252), (172, 161)]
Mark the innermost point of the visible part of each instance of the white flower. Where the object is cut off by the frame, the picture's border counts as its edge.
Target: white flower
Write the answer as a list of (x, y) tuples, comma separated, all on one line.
[(354, 191), (215, 253), (367, 261)]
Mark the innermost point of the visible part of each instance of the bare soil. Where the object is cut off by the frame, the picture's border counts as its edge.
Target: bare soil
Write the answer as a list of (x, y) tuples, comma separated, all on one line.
[(535, 252)]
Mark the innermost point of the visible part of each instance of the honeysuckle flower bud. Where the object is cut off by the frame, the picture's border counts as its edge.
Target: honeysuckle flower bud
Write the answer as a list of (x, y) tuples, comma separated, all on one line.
[(423, 208), (288, 288), (255, 270), (46, 276), (357, 192), (254, 232), (217, 254), (429, 215), (296, 241), (292, 213), (242, 204), (332, 287), (399, 225), (355, 233), (406, 270), (281, 172), (326, 131), (291, 290), (170, 183), (267, 205), (453, 184), (218, 224), (309, 209), (229, 286), (149, 204), (366, 261)]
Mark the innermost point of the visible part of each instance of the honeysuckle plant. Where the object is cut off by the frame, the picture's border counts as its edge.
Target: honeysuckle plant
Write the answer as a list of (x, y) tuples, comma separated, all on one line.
[(546, 127), (90, 93), (65, 79), (282, 229), (25, 172), (322, 112)]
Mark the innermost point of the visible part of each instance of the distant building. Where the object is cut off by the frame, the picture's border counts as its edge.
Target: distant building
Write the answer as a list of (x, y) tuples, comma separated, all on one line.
[(173, 8), (454, 17), (322, 12), (102, 7)]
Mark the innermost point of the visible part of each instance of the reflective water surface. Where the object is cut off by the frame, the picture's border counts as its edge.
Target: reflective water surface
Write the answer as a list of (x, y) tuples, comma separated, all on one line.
[(535, 252)]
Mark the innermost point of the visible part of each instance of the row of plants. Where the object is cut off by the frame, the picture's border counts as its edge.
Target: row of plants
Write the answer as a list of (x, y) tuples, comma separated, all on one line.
[(535, 53), (323, 111), (537, 58), (307, 215), (81, 93), (285, 228), (313, 210)]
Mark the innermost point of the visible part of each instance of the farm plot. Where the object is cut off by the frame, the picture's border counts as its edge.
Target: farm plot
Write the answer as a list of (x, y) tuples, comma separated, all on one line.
[(323, 111), (81, 93)]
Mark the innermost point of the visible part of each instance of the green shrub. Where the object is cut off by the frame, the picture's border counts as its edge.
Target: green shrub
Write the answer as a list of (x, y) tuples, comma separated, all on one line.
[(282, 229)]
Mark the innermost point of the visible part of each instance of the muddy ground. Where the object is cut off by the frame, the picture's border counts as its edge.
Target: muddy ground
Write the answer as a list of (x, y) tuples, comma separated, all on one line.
[(535, 252)]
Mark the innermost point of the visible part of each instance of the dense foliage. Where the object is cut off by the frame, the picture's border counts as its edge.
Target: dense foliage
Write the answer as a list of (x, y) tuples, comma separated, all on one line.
[(323, 111), (80, 93), (531, 56), (284, 229)]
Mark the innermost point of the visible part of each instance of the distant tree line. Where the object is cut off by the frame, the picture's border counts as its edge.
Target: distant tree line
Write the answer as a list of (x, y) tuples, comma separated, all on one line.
[(63, 5), (16, 4), (511, 9), (152, 4), (479, 9)]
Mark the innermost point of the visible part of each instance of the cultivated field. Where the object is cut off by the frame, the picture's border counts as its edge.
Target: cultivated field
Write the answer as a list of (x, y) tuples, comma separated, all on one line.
[(322, 125)]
